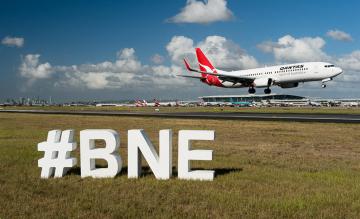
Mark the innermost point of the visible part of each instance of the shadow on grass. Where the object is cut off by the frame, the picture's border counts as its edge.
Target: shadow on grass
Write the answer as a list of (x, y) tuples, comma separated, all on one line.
[(225, 171), (146, 171)]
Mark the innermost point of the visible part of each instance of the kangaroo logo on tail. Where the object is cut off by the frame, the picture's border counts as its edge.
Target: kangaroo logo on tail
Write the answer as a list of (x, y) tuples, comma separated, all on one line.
[(204, 63), (209, 74)]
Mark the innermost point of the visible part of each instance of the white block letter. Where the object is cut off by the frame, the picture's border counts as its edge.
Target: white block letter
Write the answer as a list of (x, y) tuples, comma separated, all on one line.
[(161, 164), (185, 154), (57, 148), (88, 153)]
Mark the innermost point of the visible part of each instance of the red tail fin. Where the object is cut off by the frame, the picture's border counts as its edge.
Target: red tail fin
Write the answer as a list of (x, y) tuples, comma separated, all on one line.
[(204, 64)]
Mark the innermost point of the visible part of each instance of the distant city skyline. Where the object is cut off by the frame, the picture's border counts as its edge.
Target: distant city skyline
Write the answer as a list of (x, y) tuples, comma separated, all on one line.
[(117, 50)]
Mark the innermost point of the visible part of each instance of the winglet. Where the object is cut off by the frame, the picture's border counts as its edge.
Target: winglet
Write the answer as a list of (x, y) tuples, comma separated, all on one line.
[(187, 65)]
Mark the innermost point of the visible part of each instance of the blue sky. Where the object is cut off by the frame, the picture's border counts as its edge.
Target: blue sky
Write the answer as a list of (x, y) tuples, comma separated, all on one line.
[(67, 33)]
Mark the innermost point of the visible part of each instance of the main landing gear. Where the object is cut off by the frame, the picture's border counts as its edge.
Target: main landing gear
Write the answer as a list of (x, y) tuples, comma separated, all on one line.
[(268, 90), (252, 90)]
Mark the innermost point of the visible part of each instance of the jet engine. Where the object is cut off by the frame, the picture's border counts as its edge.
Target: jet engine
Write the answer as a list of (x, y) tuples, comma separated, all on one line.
[(261, 82)]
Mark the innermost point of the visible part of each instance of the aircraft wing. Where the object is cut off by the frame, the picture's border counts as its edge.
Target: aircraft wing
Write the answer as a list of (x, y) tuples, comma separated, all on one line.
[(223, 75)]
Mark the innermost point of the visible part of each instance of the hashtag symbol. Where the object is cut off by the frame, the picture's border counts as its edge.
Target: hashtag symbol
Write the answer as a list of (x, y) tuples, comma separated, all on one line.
[(57, 148)]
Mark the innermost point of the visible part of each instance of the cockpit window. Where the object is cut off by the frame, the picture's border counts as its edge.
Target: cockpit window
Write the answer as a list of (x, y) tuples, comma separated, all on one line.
[(329, 66)]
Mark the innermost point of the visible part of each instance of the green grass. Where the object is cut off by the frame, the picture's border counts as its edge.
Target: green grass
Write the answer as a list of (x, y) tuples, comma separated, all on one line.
[(314, 110), (264, 169)]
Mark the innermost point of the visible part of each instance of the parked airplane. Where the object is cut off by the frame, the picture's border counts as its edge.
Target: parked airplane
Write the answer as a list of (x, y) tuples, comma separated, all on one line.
[(285, 76), (350, 104), (140, 103), (313, 103), (155, 103)]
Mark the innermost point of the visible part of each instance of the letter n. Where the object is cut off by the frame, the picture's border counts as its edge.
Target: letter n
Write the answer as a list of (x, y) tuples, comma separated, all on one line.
[(161, 164)]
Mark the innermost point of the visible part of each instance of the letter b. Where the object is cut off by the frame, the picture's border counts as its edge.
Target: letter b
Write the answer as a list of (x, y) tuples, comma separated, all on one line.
[(88, 153)]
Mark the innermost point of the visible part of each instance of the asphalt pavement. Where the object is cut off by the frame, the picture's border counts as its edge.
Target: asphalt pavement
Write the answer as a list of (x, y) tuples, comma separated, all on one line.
[(295, 117)]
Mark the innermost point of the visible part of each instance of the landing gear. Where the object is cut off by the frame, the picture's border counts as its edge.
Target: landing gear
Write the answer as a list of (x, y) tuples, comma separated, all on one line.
[(267, 91), (323, 85), (252, 90)]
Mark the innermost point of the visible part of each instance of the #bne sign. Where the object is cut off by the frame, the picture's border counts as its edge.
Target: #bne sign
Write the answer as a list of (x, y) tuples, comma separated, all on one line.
[(58, 146)]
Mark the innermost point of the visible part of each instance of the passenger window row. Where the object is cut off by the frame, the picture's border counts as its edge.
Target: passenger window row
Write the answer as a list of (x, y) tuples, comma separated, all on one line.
[(277, 72)]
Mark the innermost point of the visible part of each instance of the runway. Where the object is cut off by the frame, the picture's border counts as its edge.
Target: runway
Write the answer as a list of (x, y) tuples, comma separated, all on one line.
[(295, 117)]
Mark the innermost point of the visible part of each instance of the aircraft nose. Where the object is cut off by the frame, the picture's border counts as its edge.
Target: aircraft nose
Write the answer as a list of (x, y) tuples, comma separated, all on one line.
[(338, 71)]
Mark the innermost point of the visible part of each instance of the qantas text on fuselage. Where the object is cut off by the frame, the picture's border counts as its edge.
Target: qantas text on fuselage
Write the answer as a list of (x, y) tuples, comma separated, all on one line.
[(285, 76)]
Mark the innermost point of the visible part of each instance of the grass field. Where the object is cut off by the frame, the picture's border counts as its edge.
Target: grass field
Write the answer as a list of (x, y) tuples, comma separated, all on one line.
[(263, 170), (312, 110)]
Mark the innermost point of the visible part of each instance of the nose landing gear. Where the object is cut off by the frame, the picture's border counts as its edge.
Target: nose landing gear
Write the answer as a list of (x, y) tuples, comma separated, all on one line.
[(323, 85)]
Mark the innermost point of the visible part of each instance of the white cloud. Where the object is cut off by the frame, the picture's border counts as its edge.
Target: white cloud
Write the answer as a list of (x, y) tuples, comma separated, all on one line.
[(105, 75), (339, 35), (165, 77), (290, 49), (125, 72), (203, 12), (267, 46), (350, 63), (128, 72), (13, 41), (180, 47), (224, 53), (31, 69), (157, 59)]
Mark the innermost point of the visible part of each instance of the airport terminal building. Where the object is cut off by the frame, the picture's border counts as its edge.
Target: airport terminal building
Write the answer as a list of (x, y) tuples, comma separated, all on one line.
[(251, 98), (280, 100)]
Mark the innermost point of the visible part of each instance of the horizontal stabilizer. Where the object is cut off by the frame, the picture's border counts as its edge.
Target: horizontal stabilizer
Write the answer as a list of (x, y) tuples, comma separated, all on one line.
[(223, 75), (189, 76), (187, 65)]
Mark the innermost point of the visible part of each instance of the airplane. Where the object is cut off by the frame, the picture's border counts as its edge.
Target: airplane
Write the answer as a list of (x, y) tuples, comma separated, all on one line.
[(155, 103), (350, 104), (284, 76), (316, 104), (140, 103)]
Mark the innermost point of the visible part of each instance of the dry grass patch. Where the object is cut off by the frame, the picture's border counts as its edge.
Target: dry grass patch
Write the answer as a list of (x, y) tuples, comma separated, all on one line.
[(264, 169)]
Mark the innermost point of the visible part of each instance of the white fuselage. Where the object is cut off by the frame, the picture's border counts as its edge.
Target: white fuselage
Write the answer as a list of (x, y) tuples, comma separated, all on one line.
[(285, 76)]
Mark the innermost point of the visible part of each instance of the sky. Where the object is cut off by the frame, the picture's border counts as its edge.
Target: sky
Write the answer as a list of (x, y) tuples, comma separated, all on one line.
[(117, 50)]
